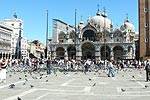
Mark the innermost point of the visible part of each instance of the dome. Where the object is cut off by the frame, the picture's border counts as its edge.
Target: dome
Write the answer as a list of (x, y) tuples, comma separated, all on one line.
[(128, 26), (101, 21), (81, 24)]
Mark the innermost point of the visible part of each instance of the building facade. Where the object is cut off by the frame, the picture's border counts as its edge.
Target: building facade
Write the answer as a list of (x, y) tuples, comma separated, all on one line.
[(144, 28), (18, 42), (5, 41), (95, 39), (36, 49)]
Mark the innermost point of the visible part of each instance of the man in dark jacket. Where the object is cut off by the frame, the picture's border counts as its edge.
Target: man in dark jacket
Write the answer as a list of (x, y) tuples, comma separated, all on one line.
[(147, 68), (48, 65)]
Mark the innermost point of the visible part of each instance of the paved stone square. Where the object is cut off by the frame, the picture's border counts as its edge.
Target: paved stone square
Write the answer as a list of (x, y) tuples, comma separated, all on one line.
[(126, 85)]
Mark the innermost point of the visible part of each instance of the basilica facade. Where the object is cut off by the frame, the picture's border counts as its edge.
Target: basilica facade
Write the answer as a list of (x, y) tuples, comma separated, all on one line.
[(96, 39)]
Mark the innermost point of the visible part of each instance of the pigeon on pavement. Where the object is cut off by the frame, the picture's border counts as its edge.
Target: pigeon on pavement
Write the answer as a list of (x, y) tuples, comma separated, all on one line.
[(146, 86), (11, 85), (123, 90), (90, 79), (31, 86), (94, 84)]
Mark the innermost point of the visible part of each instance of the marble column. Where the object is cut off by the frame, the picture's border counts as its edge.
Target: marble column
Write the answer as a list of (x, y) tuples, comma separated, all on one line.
[(79, 54), (66, 54), (97, 53), (111, 54)]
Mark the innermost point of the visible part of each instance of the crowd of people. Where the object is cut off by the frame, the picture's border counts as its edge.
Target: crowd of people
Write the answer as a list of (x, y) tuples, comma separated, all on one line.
[(65, 66)]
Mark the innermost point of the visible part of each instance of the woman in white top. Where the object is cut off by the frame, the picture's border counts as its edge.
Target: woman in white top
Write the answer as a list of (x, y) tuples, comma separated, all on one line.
[(3, 64)]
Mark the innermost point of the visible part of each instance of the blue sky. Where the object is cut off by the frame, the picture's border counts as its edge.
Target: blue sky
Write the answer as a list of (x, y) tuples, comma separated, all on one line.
[(33, 13)]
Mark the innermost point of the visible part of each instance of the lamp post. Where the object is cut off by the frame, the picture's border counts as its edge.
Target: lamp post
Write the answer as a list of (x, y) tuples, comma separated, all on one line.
[(75, 34), (104, 15), (46, 35)]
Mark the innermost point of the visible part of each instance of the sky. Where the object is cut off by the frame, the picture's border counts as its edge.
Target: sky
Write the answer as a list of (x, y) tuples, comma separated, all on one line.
[(33, 13)]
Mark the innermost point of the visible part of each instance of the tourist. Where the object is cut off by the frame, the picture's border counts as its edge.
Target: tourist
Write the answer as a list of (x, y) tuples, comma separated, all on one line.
[(3, 64), (147, 68), (111, 69), (48, 65)]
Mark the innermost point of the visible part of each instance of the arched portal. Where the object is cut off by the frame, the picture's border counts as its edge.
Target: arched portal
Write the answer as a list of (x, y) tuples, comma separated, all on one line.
[(88, 51), (60, 52), (105, 52), (89, 35), (71, 52), (118, 52)]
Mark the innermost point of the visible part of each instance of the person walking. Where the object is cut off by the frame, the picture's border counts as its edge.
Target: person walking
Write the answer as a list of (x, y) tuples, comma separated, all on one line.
[(147, 68), (48, 65), (111, 69)]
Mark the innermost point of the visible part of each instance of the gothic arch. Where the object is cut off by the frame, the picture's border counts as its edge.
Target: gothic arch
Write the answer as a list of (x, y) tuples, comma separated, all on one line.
[(71, 50), (105, 52), (60, 52), (118, 52), (89, 35), (88, 50)]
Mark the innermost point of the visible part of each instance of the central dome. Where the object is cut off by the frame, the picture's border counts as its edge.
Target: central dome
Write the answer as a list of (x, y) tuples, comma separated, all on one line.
[(101, 22)]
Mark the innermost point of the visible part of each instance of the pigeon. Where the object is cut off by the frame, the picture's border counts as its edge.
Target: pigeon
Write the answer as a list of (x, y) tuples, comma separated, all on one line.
[(19, 78), (31, 86), (146, 86), (46, 80), (40, 77), (133, 77), (10, 75), (123, 90), (94, 84), (25, 75), (19, 98), (26, 79), (11, 85), (24, 83), (90, 79), (41, 74)]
